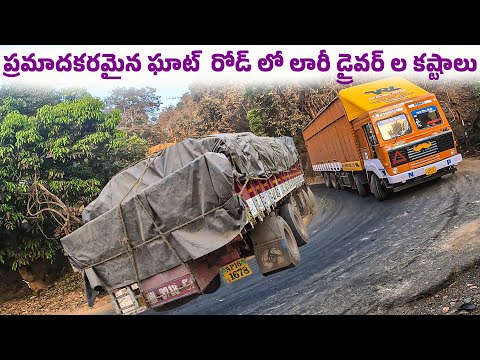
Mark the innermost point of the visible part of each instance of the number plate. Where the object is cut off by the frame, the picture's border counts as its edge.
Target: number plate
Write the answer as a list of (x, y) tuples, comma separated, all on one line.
[(431, 170), (236, 270)]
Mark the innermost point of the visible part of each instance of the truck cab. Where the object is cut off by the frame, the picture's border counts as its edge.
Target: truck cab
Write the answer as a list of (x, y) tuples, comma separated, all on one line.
[(407, 141)]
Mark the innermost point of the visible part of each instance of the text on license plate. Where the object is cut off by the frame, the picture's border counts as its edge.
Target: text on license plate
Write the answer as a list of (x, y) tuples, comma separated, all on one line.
[(431, 170), (236, 270)]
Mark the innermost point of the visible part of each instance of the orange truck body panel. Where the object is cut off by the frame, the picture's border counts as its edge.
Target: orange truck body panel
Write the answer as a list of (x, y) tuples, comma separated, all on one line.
[(390, 127), (330, 136)]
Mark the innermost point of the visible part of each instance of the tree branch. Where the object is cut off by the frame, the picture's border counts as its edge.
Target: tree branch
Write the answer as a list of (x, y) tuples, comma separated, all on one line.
[(59, 203)]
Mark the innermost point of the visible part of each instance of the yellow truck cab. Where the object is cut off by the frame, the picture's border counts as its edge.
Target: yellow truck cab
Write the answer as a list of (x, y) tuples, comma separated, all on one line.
[(392, 134)]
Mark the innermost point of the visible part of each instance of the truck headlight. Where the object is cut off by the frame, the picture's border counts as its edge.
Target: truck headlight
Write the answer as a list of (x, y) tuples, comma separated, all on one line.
[(395, 170), (452, 151)]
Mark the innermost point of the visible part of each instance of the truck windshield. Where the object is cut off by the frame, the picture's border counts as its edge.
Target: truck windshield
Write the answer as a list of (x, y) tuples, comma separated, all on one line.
[(394, 127), (426, 117)]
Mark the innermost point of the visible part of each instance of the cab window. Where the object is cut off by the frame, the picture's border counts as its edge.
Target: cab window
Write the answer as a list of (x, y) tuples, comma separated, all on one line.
[(426, 117), (372, 139), (394, 127)]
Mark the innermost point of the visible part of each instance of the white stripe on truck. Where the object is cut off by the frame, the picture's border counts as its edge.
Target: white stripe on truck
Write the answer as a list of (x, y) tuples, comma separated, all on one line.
[(336, 166), (261, 202), (374, 165)]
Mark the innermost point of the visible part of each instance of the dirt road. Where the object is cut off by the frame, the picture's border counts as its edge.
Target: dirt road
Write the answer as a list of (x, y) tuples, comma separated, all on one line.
[(366, 256)]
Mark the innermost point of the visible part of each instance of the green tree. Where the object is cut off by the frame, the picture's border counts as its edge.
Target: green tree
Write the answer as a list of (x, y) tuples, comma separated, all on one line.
[(68, 151), (180, 122), (279, 107), (10, 105), (256, 123), (29, 99), (220, 108), (137, 106)]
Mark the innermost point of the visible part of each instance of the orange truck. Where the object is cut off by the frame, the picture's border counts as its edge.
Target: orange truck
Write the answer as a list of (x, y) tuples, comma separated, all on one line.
[(381, 136)]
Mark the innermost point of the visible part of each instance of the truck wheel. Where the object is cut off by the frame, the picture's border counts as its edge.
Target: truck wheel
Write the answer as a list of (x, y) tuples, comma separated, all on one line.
[(291, 200), (311, 197), (295, 221), (289, 242), (308, 208), (300, 204), (334, 181), (378, 190), (361, 187), (326, 177)]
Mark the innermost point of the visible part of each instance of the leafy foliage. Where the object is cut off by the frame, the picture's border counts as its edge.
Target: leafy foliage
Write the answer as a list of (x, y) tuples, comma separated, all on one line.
[(266, 110), (29, 99), (179, 122), (205, 110), (256, 122), (71, 148), (220, 108), (137, 106)]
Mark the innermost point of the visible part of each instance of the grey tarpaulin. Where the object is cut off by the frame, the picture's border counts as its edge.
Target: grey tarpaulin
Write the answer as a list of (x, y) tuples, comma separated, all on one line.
[(174, 206), (252, 157)]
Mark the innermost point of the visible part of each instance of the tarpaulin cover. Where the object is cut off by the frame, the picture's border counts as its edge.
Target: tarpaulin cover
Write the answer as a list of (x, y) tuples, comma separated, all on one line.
[(176, 205)]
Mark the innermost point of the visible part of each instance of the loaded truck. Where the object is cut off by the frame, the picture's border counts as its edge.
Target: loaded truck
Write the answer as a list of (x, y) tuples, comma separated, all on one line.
[(381, 136), (187, 218)]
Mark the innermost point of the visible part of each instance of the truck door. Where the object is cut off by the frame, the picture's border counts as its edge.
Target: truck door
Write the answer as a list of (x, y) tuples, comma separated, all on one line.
[(371, 137)]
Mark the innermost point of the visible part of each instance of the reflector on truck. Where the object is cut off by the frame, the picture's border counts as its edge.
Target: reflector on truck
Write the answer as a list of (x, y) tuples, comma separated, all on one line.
[(357, 100)]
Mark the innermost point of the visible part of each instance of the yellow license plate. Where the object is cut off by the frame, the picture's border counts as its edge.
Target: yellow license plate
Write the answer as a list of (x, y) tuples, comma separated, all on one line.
[(431, 170), (236, 270)]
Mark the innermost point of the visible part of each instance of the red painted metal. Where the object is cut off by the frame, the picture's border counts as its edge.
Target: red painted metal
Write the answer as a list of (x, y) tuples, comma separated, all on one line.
[(168, 286)]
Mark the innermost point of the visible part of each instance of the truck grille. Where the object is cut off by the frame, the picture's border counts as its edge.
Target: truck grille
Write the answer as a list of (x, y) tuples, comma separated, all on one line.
[(415, 155), (415, 151), (424, 161)]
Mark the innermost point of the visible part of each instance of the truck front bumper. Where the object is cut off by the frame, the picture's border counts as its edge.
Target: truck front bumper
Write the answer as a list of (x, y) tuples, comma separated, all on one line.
[(417, 176)]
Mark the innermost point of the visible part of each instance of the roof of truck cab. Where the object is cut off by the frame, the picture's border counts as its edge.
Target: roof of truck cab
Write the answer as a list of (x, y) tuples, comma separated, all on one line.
[(360, 99)]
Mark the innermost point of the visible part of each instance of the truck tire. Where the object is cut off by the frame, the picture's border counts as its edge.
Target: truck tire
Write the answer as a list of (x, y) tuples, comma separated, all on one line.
[(326, 177), (334, 181), (308, 208), (311, 197), (362, 188), (377, 189), (295, 221), (300, 204), (291, 200), (289, 242)]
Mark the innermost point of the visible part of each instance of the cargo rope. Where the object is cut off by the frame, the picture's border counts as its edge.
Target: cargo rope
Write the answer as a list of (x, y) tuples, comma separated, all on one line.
[(125, 242), (161, 235), (150, 161)]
